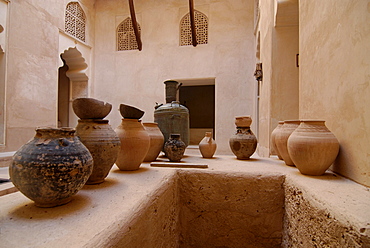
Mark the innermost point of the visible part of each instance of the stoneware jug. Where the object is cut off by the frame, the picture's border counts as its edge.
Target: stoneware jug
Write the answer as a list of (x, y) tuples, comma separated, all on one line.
[(207, 146), (312, 147), (135, 143), (103, 143), (243, 143), (156, 141), (51, 167), (273, 138), (174, 148), (281, 139)]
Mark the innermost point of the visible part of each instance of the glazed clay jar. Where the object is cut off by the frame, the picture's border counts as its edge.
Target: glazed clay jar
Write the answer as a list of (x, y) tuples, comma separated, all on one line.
[(207, 146), (243, 143), (273, 138), (156, 141), (135, 143), (312, 147), (281, 139), (103, 143), (51, 167), (174, 148)]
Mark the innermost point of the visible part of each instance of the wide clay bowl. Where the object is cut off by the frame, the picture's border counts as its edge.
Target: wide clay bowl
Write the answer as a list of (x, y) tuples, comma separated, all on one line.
[(90, 108), (130, 112)]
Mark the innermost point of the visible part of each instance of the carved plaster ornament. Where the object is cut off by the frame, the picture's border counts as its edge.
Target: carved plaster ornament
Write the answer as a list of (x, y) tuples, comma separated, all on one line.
[(258, 72)]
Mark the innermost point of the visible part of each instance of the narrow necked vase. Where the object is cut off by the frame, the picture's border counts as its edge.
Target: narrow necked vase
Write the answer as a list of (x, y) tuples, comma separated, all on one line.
[(207, 146)]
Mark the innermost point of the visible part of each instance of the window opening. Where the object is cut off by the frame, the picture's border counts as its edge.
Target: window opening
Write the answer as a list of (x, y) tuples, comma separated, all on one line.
[(126, 39), (75, 21), (201, 27)]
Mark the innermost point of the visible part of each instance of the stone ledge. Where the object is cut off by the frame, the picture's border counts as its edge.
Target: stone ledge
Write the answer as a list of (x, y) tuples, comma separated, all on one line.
[(139, 208), (6, 158)]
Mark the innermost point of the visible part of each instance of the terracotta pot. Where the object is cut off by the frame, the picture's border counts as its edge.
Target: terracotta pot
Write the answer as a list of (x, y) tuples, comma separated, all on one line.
[(174, 148), (312, 147), (273, 139), (90, 108), (281, 139), (135, 143), (207, 146), (156, 141), (103, 143), (243, 143), (51, 167)]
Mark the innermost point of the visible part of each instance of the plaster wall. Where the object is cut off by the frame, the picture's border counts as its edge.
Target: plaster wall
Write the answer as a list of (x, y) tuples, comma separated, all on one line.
[(33, 59), (265, 29), (279, 100), (136, 77), (285, 85), (335, 76)]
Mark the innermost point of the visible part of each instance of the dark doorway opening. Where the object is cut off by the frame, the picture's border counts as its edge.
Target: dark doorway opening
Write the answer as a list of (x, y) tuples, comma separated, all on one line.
[(200, 100)]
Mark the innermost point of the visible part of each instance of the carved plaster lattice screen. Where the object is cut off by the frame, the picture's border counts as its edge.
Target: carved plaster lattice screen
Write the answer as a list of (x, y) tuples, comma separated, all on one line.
[(126, 39), (201, 27), (75, 21)]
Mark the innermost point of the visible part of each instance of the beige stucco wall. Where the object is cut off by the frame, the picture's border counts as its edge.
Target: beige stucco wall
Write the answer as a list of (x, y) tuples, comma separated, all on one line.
[(136, 77), (279, 100), (33, 58), (335, 75)]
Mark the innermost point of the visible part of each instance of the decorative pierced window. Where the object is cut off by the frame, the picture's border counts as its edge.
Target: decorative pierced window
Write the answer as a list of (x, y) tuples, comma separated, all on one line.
[(126, 39), (75, 21), (201, 27)]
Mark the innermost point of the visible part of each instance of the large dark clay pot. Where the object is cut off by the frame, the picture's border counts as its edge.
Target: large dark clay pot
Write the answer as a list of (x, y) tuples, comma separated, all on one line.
[(243, 143), (51, 167), (103, 143)]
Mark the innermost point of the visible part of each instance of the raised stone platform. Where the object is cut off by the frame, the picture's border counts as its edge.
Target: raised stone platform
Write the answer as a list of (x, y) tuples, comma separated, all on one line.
[(232, 203)]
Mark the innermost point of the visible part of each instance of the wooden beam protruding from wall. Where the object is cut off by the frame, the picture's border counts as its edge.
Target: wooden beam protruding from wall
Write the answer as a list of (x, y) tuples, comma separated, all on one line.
[(192, 23), (134, 24)]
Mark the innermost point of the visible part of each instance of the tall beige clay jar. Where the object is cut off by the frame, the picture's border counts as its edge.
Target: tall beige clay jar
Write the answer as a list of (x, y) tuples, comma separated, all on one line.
[(156, 141), (312, 147), (273, 138), (135, 144), (281, 139), (207, 146)]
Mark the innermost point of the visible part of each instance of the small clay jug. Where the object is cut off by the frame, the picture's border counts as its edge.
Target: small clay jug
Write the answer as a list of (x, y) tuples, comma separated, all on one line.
[(103, 143), (312, 147), (281, 139), (135, 143), (52, 167), (243, 143), (207, 146), (174, 148), (156, 141), (273, 139)]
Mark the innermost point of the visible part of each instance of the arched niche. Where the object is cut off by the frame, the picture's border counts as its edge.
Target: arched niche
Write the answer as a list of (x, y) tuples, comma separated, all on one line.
[(72, 84)]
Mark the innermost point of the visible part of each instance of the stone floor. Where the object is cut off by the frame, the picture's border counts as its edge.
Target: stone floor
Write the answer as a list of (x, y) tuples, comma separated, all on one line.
[(144, 208)]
